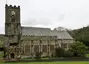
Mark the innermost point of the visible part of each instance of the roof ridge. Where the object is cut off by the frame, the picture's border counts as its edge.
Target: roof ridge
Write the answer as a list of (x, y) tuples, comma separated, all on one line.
[(34, 27)]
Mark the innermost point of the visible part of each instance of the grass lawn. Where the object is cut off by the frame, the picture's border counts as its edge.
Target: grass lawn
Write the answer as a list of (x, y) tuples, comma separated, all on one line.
[(68, 62)]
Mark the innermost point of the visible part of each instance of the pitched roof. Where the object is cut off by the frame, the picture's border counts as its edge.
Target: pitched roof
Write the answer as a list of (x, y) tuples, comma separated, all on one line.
[(37, 31), (62, 34)]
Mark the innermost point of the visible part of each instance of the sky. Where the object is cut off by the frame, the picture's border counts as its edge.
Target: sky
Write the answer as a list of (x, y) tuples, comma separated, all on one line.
[(71, 14)]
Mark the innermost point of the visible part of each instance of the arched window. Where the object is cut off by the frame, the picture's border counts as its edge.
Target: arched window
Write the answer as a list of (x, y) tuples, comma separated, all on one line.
[(51, 48), (36, 48), (12, 55), (12, 18), (27, 49), (44, 48)]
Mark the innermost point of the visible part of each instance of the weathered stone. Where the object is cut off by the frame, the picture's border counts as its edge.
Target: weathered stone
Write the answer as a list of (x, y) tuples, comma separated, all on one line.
[(23, 42)]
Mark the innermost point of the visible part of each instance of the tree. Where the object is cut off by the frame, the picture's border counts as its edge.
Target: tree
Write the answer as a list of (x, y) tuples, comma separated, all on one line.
[(78, 48), (60, 52), (1, 44), (81, 35)]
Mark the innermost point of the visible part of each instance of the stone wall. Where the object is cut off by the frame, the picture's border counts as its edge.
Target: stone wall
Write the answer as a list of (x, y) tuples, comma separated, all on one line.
[(45, 44)]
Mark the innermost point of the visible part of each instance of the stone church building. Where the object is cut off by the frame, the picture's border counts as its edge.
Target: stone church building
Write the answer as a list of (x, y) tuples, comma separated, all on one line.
[(23, 41)]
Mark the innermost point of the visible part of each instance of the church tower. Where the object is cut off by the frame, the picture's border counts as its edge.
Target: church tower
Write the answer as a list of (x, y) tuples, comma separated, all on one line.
[(12, 31)]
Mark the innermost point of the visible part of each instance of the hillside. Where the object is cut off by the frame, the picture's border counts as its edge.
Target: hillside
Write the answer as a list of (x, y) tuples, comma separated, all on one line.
[(2, 38), (81, 34)]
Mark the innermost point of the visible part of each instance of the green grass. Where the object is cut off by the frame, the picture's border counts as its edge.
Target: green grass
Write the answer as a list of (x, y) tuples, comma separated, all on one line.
[(76, 62)]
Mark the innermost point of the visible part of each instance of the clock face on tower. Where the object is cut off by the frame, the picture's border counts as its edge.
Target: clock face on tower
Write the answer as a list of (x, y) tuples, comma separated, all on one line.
[(12, 12)]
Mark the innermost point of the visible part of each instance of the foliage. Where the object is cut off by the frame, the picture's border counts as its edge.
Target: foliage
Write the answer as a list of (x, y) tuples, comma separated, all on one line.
[(87, 55), (1, 44), (38, 55), (2, 39), (59, 52), (81, 35), (1, 54), (78, 48), (68, 53)]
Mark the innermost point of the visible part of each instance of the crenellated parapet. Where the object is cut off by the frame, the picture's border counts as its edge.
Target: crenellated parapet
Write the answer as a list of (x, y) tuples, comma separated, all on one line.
[(10, 6)]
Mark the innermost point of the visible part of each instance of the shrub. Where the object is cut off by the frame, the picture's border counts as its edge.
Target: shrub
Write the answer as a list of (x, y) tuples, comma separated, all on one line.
[(78, 48), (59, 52), (38, 55), (68, 53)]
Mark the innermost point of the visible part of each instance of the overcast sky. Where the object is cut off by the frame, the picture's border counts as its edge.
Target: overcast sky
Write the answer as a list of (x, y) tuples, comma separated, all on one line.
[(71, 14)]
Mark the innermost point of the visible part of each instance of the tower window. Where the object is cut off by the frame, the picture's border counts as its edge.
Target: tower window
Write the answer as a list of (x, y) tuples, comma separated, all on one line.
[(12, 18)]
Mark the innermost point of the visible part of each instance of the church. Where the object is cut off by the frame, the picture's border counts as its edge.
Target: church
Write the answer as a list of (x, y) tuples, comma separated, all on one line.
[(23, 41)]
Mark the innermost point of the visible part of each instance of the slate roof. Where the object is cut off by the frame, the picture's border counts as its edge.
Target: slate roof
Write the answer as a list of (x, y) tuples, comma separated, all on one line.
[(37, 31)]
